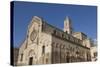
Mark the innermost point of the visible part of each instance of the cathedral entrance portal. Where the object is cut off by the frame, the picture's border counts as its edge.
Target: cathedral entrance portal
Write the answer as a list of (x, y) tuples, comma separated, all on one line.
[(30, 60)]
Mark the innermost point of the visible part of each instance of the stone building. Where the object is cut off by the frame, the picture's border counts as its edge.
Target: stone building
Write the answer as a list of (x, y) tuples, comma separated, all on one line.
[(46, 44), (15, 56), (94, 53)]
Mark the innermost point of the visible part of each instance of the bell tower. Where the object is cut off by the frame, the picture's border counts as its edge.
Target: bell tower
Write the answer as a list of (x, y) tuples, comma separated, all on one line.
[(68, 25)]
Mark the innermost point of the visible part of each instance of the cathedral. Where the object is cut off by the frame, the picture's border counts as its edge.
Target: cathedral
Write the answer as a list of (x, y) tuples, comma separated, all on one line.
[(47, 44)]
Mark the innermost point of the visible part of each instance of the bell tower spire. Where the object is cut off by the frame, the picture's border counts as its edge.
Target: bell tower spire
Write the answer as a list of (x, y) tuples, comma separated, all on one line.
[(68, 25)]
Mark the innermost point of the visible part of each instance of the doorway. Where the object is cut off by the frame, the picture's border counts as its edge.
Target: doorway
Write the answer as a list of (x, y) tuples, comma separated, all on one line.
[(67, 58), (30, 60)]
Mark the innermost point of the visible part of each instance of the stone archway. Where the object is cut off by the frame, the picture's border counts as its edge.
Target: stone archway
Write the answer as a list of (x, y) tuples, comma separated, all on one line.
[(31, 57), (30, 60)]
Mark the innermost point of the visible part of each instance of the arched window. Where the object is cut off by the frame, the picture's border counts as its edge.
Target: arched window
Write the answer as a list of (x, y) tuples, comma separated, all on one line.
[(21, 57), (43, 49), (32, 56)]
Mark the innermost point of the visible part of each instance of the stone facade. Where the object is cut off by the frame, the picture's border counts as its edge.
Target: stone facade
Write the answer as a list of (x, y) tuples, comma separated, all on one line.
[(46, 44), (94, 53)]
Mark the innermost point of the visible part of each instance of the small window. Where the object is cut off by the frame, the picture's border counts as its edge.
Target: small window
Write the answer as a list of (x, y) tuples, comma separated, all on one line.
[(21, 57), (55, 32), (95, 54), (62, 35), (43, 49), (57, 45)]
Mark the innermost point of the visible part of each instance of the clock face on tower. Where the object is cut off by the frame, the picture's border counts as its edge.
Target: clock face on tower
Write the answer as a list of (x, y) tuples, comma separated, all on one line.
[(33, 35)]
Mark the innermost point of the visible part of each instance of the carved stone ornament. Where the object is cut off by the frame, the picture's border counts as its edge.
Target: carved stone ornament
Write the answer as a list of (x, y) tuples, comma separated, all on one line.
[(33, 35)]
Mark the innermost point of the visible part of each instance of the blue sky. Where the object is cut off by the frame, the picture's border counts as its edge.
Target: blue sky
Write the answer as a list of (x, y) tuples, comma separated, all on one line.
[(84, 18)]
